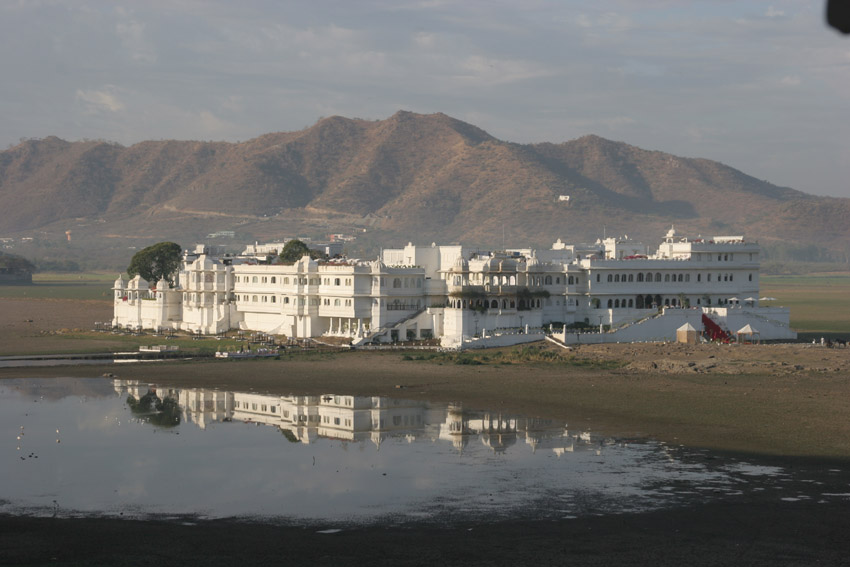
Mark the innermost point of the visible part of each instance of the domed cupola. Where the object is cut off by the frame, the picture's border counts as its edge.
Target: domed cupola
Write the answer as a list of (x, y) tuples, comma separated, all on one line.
[(137, 283)]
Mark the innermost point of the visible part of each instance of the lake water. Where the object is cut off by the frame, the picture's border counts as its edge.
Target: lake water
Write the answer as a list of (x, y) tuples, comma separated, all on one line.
[(76, 447)]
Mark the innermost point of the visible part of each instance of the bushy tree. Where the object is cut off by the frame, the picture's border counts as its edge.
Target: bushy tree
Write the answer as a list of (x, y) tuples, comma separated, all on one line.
[(293, 251), (156, 262), (15, 264)]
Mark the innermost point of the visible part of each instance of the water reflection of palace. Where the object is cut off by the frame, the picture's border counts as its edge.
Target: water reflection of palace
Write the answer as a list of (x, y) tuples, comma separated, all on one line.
[(368, 418)]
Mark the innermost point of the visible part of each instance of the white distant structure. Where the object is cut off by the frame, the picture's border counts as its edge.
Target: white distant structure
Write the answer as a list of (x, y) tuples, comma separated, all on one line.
[(262, 251), (469, 298)]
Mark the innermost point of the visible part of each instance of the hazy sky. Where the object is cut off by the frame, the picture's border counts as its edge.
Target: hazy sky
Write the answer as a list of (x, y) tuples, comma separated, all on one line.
[(761, 86)]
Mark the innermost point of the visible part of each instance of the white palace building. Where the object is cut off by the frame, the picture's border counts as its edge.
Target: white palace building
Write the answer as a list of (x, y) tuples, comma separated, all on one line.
[(468, 298)]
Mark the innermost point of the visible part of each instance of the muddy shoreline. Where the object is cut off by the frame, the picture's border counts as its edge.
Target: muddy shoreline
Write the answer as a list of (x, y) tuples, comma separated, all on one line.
[(721, 533)]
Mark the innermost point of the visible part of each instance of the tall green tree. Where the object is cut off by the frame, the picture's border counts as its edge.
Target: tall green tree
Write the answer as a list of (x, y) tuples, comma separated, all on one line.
[(293, 251), (15, 264), (156, 262)]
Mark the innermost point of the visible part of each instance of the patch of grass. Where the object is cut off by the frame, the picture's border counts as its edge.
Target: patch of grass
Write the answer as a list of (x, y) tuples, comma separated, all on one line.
[(519, 355), (52, 285), (818, 302)]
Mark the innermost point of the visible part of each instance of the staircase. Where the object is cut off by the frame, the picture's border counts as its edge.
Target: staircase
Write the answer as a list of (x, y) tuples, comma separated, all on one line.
[(714, 331), (380, 331)]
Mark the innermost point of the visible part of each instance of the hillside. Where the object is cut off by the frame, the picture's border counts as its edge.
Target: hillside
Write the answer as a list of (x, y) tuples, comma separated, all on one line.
[(411, 177)]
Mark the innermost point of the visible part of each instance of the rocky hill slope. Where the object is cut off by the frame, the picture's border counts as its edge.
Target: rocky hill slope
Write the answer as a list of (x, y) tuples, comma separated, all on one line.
[(411, 176)]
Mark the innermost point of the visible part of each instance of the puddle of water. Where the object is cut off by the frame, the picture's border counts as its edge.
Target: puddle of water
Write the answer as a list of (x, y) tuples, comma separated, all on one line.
[(76, 447)]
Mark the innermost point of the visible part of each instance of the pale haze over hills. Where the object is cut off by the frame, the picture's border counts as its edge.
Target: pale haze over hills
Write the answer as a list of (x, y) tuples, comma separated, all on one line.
[(409, 177), (760, 85)]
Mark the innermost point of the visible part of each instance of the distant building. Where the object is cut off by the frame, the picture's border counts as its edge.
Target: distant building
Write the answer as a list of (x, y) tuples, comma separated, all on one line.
[(261, 251), (470, 298)]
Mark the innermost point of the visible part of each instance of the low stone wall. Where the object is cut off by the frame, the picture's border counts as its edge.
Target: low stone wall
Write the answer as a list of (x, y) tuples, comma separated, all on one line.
[(502, 340), (770, 322)]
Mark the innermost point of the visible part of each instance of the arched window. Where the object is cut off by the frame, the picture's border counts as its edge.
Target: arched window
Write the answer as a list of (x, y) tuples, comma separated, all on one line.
[(336, 302), (638, 302), (616, 303), (254, 299), (254, 279), (548, 280), (751, 277), (571, 281), (512, 280), (494, 304), (504, 304), (666, 302), (557, 280), (617, 278), (593, 303), (640, 277), (513, 304), (396, 283), (610, 303), (657, 300), (666, 277), (631, 303), (274, 279), (658, 277), (610, 278), (687, 277), (631, 277), (286, 300), (336, 281)]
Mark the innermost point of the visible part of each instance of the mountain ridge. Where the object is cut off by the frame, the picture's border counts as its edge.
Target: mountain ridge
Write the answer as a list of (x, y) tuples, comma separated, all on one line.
[(412, 176)]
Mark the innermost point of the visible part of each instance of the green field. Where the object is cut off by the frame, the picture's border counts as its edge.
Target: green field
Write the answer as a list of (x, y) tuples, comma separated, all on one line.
[(91, 285), (818, 302)]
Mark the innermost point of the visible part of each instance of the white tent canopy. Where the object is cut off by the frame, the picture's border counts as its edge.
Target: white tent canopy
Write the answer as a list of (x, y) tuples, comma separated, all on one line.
[(747, 332)]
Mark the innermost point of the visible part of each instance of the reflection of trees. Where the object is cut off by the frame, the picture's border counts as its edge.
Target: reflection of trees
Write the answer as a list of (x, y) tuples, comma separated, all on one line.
[(290, 436), (162, 413)]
